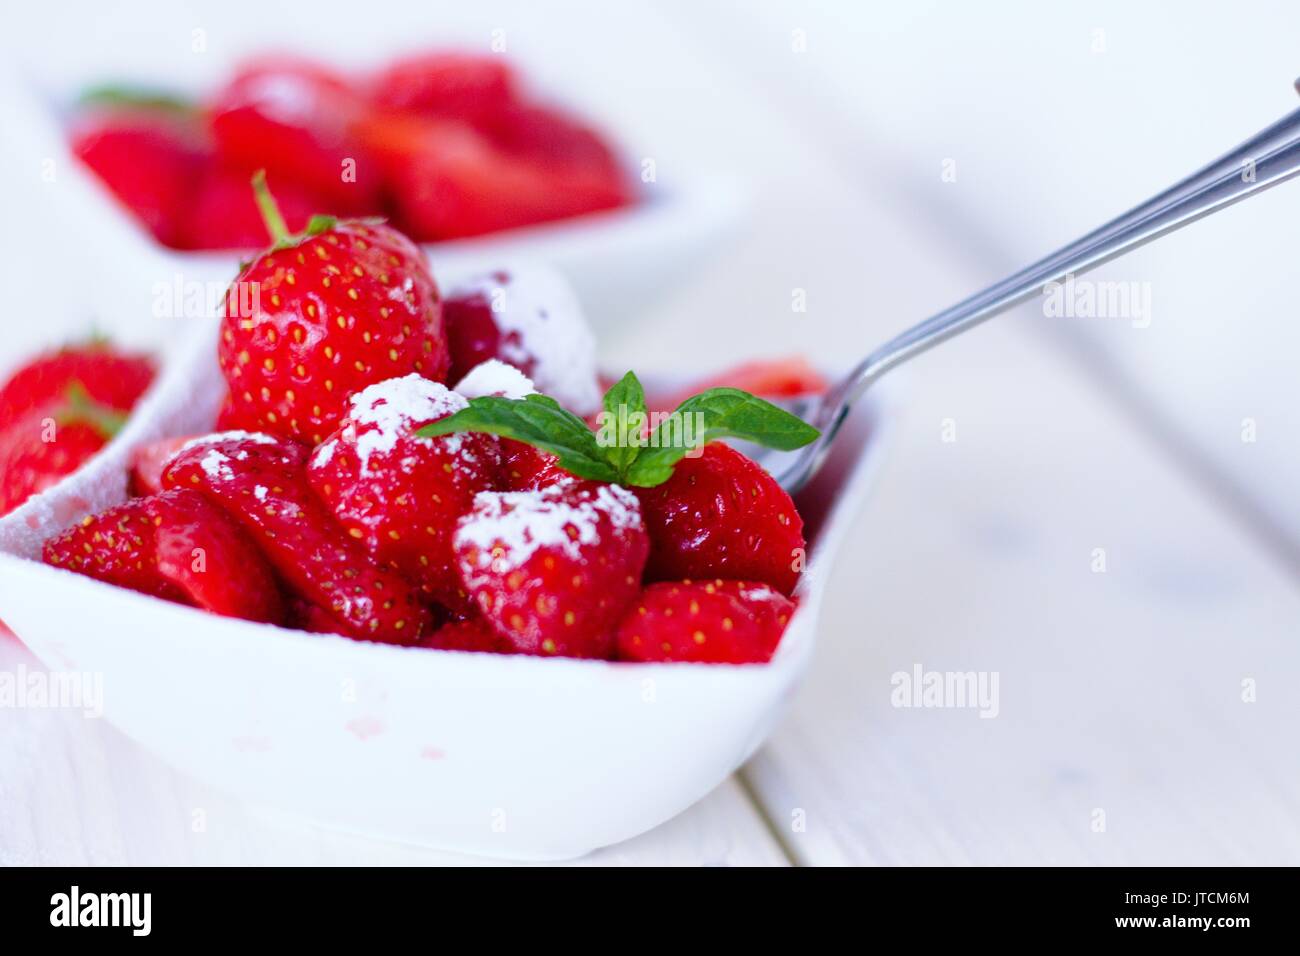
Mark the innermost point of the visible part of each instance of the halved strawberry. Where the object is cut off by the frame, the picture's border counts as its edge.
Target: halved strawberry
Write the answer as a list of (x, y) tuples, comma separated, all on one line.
[(778, 378), (320, 316), (552, 570), (224, 215), (722, 515), (451, 84), (147, 462), (177, 546), (295, 118), (399, 494), (449, 181), (149, 159), (261, 481), (473, 634), (713, 622)]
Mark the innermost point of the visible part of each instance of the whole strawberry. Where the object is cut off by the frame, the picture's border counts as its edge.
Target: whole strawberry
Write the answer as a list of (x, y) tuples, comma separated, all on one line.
[(552, 570), (319, 316), (261, 481), (107, 375), (712, 622), (46, 444), (398, 493), (177, 546), (720, 514)]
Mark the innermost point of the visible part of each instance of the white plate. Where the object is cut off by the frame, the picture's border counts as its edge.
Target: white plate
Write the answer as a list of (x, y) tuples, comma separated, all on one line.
[(516, 757)]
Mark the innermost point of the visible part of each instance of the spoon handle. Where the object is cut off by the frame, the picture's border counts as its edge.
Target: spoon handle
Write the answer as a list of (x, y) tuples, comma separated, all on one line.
[(1268, 158), (1271, 157)]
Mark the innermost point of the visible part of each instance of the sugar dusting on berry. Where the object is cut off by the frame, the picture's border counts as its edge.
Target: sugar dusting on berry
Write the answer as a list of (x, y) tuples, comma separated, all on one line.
[(495, 378), (550, 332), (384, 413), (259, 438), (216, 466), (508, 527)]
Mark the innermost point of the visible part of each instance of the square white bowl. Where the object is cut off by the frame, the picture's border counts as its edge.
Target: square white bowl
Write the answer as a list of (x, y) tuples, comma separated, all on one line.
[(618, 261), (517, 757)]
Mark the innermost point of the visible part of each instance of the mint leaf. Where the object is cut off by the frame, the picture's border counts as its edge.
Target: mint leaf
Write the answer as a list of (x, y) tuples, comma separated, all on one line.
[(711, 415), (538, 421), (622, 452), (622, 424)]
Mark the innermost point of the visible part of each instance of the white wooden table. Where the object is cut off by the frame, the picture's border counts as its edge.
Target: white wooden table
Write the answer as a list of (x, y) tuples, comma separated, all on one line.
[(1121, 691)]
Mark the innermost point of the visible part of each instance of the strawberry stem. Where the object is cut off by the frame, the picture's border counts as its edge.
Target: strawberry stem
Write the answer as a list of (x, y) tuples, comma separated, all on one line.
[(80, 408), (275, 224)]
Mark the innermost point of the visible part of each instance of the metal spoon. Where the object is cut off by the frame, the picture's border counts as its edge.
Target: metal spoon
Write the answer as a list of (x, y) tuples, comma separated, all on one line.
[(1265, 160)]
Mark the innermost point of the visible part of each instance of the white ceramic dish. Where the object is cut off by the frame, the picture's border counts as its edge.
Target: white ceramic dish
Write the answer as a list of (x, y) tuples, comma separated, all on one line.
[(617, 261), (511, 757)]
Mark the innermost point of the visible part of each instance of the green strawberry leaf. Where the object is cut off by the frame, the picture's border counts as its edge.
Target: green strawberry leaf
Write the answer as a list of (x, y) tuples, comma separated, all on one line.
[(711, 415), (623, 422), (136, 97), (538, 421)]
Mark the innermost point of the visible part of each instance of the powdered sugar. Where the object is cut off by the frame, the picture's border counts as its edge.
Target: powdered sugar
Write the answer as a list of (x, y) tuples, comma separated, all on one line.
[(540, 308), (518, 523), (216, 466), (388, 411), (495, 378), (260, 438), (324, 453)]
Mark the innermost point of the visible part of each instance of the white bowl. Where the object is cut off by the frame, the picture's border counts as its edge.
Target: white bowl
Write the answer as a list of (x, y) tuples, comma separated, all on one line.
[(517, 757), (618, 261)]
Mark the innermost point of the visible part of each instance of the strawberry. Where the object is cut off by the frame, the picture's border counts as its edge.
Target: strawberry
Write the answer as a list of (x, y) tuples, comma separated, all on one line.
[(146, 464), (399, 494), (449, 181), (449, 84), (223, 213), (110, 377), (295, 119), (716, 622), (177, 546), (552, 570), (46, 444), (302, 615), (473, 634), (261, 481), (552, 140), (720, 514), (149, 160), (529, 319), (780, 378), (347, 304), (523, 467)]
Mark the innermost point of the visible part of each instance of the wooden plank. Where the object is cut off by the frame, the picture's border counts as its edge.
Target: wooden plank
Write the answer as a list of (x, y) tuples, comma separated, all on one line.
[(1120, 691)]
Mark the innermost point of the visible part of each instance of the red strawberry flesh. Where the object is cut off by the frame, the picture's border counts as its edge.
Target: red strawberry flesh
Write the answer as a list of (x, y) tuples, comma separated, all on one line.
[(177, 546), (261, 481)]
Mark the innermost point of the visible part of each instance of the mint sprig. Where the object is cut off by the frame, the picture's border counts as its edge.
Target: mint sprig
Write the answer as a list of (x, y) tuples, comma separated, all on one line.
[(631, 447)]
